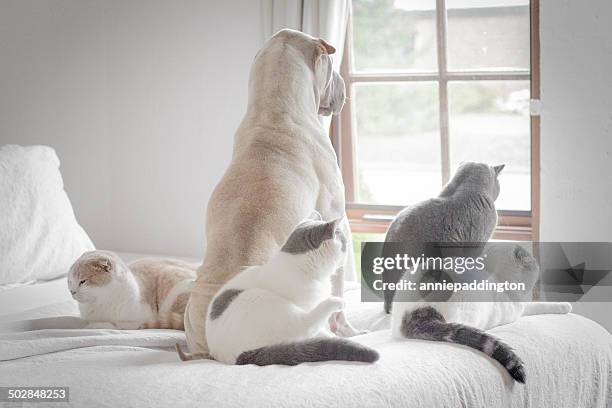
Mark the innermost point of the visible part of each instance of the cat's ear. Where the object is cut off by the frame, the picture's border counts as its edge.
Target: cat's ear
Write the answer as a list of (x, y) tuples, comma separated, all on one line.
[(103, 264), (498, 169), (337, 222), (519, 253), (330, 228)]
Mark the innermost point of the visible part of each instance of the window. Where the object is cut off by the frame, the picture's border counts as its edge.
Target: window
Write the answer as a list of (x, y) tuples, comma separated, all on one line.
[(433, 83)]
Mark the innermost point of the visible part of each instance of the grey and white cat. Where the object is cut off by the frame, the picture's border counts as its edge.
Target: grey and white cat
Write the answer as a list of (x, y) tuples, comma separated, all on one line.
[(465, 212), (278, 313)]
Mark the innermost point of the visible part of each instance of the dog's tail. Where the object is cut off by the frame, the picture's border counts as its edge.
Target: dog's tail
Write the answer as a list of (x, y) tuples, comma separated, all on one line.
[(190, 356), (426, 323), (308, 351)]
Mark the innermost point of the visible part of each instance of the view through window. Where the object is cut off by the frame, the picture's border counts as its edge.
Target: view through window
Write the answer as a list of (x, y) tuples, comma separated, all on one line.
[(433, 83)]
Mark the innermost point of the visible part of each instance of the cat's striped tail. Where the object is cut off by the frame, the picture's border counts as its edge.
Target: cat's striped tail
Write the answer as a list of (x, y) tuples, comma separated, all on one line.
[(426, 323), (308, 351)]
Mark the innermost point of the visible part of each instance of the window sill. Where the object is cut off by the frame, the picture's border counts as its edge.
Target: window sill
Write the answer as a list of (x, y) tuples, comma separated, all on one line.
[(375, 219)]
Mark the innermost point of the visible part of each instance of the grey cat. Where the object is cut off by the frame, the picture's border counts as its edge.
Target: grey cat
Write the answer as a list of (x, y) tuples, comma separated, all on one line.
[(463, 212), (278, 313)]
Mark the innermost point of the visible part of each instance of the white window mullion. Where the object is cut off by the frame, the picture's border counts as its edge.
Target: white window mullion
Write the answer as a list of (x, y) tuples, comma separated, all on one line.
[(443, 89)]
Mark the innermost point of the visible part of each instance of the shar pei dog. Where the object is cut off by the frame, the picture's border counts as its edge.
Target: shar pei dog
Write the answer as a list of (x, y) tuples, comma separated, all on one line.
[(283, 170)]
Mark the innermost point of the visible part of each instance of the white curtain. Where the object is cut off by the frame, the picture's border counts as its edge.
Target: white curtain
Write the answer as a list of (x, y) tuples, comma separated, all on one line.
[(325, 19)]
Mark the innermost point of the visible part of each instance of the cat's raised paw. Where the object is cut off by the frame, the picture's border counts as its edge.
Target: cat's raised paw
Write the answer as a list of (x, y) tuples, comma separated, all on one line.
[(346, 330)]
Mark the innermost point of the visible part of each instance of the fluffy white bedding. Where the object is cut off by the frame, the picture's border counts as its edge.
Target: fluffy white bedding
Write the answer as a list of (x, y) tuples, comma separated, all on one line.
[(568, 362), (40, 237)]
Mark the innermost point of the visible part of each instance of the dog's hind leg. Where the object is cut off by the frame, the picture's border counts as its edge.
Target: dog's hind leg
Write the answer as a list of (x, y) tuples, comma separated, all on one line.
[(339, 324), (195, 319), (349, 269)]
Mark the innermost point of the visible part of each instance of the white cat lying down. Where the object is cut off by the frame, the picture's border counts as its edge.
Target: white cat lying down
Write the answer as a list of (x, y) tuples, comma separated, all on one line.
[(146, 294)]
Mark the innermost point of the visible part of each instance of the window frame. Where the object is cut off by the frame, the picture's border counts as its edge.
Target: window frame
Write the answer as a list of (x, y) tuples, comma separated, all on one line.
[(373, 218)]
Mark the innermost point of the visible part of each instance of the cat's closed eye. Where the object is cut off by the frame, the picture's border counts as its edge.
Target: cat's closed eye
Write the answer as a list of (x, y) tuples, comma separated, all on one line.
[(82, 282)]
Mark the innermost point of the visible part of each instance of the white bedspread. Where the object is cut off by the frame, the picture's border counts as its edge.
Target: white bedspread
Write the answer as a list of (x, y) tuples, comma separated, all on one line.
[(568, 363)]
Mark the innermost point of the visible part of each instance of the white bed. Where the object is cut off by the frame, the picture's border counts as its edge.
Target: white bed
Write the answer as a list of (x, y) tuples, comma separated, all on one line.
[(568, 361)]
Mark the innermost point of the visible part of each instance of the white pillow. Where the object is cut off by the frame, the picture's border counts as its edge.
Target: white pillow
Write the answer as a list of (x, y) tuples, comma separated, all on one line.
[(39, 235)]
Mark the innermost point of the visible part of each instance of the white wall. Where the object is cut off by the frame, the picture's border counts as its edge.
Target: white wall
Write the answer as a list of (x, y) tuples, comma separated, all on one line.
[(53, 91), (576, 151), (139, 98)]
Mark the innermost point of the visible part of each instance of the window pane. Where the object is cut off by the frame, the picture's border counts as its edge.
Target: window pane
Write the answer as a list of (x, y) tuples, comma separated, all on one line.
[(489, 34), (489, 123), (397, 142), (358, 239), (394, 35)]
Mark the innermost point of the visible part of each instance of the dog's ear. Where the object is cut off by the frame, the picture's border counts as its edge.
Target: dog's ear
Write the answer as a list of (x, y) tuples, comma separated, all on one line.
[(332, 99), (330, 86), (322, 69), (326, 47)]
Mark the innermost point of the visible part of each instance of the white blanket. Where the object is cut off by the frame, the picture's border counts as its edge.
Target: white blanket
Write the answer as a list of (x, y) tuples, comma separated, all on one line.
[(568, 362), (37, 342)]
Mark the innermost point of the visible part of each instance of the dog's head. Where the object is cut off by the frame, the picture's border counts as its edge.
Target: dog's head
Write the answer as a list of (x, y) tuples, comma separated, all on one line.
[(328, 84)]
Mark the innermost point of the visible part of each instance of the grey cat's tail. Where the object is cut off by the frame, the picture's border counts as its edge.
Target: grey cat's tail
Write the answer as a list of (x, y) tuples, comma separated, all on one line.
[(426, 323), (308, 351)]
